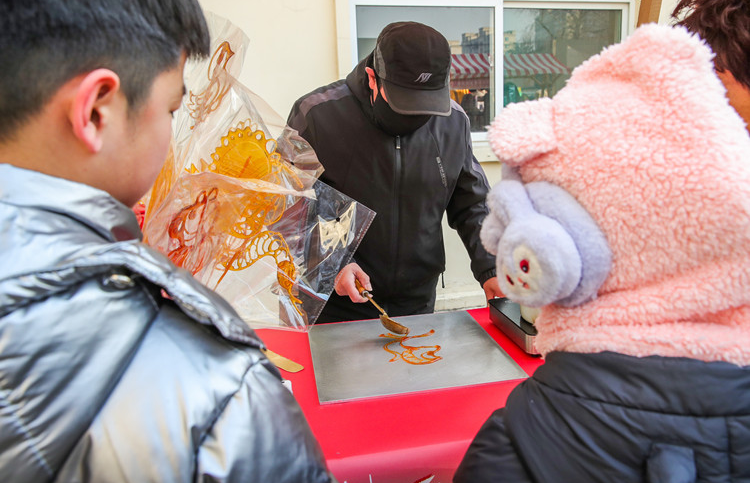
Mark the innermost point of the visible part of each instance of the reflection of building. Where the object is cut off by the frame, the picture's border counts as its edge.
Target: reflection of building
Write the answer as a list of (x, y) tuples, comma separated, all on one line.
[(477, 43), (455, 46), (509, 40)]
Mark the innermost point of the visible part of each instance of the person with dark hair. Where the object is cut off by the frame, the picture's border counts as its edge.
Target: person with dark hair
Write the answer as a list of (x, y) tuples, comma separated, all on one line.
[(390, 137), (625, 216), (725, 26), (115, 365), (473, 103)]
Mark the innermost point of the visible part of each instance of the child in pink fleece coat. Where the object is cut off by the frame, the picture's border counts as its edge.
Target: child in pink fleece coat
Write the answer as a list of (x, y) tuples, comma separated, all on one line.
[(624, 213)]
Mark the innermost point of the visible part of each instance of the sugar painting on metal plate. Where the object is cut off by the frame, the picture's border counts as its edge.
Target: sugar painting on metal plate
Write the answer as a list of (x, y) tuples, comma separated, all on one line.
[(359, 359)]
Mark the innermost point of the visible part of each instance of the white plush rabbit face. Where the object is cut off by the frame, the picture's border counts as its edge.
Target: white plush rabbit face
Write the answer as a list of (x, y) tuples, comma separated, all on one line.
[(539, 257), (523, 274), (538, 264)]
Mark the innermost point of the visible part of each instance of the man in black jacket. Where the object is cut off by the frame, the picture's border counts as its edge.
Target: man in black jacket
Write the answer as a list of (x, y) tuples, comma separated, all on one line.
[(103, 376), (390, 137)]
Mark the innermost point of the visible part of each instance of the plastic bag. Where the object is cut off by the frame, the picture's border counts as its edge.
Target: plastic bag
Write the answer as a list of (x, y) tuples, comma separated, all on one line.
[(238, 202)]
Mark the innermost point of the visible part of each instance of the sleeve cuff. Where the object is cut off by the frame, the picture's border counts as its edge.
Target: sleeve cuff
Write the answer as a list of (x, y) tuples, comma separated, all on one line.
[(486, 275)]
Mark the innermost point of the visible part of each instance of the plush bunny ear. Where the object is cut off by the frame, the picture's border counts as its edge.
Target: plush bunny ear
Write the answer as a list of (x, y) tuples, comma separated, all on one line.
[(596, 257), (537, 260), (523, 131), (548, 248), (495, 223)]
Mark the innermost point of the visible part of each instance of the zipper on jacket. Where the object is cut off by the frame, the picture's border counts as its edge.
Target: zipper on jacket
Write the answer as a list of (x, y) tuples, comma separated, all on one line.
[(396, 202)]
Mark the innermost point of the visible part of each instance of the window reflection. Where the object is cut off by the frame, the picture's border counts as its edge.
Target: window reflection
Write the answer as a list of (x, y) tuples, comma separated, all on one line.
[(469, 31), (541, 47)]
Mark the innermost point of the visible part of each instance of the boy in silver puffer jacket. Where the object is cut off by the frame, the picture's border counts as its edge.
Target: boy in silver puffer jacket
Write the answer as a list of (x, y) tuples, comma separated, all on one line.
[(102, 377)]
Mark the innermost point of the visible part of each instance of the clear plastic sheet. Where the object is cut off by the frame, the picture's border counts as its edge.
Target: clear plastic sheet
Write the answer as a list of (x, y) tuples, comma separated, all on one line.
[(238, 202)]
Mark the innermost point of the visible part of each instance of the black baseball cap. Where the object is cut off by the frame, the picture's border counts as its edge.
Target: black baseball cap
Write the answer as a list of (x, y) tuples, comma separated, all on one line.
[(413, 61)]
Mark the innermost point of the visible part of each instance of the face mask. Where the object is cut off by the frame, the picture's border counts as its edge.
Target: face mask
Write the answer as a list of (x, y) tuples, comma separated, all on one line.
[(394, 123)]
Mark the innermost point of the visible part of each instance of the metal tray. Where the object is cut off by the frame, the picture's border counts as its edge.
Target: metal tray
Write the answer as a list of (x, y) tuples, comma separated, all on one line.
[(350, 361)]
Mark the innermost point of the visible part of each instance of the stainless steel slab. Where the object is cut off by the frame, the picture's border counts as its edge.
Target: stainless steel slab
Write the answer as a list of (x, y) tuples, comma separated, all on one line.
[(350, 361)]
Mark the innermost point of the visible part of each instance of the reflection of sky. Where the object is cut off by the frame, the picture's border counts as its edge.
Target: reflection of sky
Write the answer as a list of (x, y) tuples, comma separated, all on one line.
[(520, 21), (450, 21)]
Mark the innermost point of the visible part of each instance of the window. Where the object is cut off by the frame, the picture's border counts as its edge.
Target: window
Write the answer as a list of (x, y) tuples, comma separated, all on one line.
[(541, 43), (469, 29)]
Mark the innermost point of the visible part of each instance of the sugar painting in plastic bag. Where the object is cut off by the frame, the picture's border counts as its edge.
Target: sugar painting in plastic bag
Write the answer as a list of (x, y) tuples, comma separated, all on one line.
[(238, 202)]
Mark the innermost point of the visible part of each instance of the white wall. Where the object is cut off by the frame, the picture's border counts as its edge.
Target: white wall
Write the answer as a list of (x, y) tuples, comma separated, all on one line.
[(667, 6), (292, 46)]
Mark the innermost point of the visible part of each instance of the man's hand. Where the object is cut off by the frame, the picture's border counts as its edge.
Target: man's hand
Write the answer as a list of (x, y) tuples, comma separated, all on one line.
[(344, 284), (492, 289)]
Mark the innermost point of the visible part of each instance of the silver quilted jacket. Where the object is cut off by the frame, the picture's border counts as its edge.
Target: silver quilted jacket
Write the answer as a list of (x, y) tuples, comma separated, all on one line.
[(103, 379)]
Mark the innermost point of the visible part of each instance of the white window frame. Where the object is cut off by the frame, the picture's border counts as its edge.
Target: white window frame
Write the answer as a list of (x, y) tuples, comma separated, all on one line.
[(347, 29)]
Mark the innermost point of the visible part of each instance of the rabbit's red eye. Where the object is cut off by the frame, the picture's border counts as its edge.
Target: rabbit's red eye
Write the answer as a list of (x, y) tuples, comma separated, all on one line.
[(510, 280), (524, 266)]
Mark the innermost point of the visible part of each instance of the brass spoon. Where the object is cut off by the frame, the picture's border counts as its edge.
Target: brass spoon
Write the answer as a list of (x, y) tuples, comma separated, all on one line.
[(387, 322)]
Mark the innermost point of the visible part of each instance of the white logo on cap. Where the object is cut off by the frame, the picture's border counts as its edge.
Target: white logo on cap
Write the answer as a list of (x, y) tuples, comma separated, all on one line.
[(423, 77)]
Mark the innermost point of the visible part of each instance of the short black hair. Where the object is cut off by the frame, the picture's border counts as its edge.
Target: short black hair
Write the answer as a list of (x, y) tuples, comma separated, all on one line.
[(45, 43), (725, 26)]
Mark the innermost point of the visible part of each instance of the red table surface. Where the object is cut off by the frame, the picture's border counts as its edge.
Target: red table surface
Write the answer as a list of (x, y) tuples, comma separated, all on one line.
[(414, 437)]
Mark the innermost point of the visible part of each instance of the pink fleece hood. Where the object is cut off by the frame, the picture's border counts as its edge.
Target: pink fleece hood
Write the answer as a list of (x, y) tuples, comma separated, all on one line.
[(644, 139)]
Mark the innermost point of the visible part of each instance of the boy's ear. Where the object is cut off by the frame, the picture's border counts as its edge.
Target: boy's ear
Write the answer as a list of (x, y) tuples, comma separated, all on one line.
[(92, 106)]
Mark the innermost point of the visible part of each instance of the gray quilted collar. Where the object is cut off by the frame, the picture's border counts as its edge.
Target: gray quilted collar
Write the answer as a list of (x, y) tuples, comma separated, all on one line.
[(90, 206)]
